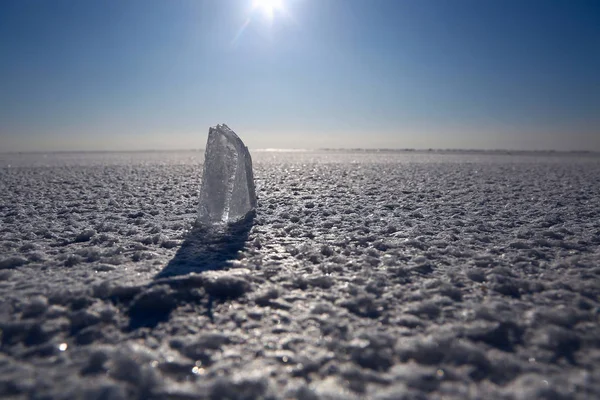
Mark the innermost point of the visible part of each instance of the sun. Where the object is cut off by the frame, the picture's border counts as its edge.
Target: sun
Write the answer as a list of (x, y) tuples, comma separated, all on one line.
[(269, 7)]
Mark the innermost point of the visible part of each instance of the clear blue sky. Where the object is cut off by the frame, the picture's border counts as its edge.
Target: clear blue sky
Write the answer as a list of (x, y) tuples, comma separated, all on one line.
[(149, 74)]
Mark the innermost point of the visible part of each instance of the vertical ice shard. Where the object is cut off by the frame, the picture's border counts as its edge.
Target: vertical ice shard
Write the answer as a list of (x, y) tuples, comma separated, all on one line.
[(227, 193)]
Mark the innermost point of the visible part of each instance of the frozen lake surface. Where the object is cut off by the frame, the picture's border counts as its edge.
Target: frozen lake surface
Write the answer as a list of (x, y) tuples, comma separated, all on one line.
[(387, 275)]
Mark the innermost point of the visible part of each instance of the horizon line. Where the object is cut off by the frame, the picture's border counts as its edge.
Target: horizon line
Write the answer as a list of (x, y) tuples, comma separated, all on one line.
[(325, 149)]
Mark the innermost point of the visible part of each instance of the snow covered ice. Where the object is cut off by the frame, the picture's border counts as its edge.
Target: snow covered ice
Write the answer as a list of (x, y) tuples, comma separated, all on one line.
[(365, 275), (227, 193)]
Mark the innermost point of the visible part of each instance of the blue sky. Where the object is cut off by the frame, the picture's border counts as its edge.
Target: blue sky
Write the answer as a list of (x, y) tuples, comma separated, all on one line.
[(149, 74)]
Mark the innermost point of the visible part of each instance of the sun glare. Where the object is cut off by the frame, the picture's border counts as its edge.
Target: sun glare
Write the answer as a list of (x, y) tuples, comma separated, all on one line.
[(269, 7)]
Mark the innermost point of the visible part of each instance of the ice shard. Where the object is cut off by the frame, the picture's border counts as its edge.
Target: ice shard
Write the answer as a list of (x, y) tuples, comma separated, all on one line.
[(227, 193)]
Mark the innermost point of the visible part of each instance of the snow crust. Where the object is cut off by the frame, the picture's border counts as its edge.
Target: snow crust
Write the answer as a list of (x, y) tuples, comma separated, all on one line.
[(362, 275)]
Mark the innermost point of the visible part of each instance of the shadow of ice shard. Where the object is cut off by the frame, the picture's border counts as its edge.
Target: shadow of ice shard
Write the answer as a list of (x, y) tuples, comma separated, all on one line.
[(209, 247), (206, 248), (227, 192)]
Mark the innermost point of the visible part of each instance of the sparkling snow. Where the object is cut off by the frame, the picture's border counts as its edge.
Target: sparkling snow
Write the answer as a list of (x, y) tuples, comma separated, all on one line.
[(363, 275)]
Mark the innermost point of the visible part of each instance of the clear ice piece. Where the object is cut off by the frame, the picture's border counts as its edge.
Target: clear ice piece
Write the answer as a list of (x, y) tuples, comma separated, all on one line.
[(227, 193)]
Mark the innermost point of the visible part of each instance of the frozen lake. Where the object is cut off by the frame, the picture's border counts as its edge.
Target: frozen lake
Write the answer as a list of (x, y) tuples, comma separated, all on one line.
[(389, 275)]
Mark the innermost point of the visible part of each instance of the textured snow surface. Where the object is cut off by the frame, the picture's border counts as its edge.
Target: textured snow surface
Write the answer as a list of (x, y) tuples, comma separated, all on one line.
[(227, 193), (362, 275)]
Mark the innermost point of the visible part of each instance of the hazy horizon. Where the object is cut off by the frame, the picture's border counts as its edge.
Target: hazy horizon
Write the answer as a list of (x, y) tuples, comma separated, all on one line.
[(312, 150), (154, 75)]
